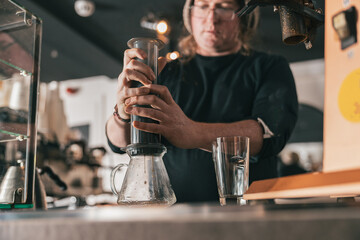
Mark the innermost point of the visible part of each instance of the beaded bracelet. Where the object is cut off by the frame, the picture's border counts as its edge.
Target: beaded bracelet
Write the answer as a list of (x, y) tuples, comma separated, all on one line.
[(116, 114)]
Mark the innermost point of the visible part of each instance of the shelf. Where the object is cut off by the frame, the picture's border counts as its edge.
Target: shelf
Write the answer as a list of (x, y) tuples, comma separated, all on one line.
[(13, 125), (22, 71), (11, 136)]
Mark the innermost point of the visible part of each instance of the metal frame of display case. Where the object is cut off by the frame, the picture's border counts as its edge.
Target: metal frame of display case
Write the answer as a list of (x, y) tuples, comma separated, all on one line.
[(30, 159)]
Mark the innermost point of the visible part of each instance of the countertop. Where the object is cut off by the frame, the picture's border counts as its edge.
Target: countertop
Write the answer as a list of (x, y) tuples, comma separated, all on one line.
[(187, 221)]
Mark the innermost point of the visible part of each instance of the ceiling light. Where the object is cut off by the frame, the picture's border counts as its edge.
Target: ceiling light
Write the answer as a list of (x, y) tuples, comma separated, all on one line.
[(172, 55), (84, 8), (54, 53), (162, 27)]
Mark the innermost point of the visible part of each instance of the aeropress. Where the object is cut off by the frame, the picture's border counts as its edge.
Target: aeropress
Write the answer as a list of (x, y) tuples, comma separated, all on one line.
[(146, 182)]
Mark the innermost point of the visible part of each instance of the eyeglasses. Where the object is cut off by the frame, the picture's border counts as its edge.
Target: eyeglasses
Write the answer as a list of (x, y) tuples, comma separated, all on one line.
[(225, 14)]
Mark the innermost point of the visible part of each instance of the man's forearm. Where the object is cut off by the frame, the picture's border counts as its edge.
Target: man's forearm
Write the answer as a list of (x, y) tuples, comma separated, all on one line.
[(206, 133), (202, 134), (118, 132)]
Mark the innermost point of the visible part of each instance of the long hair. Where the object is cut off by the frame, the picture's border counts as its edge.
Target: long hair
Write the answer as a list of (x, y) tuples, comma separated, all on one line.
[(247, 29)]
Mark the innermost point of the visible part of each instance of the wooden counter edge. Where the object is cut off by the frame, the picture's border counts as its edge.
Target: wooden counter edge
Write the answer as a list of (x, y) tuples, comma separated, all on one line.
[(317, 184)]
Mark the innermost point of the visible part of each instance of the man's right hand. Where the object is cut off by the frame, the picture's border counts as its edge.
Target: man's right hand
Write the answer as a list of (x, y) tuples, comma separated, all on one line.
[(134, 70)]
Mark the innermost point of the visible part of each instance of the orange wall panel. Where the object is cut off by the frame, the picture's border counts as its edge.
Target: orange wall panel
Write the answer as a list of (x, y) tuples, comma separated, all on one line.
[(342, 95)]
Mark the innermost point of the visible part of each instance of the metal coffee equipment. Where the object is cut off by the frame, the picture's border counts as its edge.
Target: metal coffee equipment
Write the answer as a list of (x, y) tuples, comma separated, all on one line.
[(299, 19), (12, 185), (146, 182), (151, 47), (20, 42)]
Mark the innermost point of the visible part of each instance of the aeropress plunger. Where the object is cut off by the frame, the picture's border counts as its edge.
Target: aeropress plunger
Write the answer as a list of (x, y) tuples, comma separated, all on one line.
[(146, 181)]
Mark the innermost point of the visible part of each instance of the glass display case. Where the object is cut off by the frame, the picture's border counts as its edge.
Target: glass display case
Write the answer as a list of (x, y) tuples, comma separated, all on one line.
[(20, 42)]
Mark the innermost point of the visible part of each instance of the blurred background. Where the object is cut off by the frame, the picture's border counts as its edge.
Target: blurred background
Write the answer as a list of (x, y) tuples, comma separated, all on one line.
[(84, 38), (82, 50)]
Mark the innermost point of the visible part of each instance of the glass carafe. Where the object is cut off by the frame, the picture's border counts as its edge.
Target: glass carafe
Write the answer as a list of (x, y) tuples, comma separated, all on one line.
[(146, 181)]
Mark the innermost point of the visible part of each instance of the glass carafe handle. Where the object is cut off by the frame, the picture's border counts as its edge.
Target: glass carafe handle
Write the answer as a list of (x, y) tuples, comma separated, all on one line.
[(112, 177)]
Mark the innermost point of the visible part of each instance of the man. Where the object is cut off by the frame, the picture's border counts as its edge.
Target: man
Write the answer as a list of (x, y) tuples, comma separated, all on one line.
[(220, 88)]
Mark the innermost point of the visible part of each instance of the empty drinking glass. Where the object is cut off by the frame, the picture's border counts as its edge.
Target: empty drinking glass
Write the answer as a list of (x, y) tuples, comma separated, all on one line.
[(231, 160)]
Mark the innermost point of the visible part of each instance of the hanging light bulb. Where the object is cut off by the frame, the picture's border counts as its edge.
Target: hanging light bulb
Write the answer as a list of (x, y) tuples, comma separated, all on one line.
[(172, 55), (162, 27), (84, 8), (151, 22)]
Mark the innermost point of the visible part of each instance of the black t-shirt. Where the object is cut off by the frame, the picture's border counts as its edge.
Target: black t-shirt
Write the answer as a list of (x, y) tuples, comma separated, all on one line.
[(222, 90)]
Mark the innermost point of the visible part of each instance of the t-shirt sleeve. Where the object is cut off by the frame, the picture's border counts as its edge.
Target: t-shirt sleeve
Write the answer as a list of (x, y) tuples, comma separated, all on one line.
[(276, 104), (114, 148)]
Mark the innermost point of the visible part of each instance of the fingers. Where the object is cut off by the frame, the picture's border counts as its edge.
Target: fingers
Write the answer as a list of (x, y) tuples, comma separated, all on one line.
[(161, 101), (146, 112), (136, 74), (162, 91), (134, 69), (139, 71), (151, 100), (133, 92), (126, 93), (132, 53)]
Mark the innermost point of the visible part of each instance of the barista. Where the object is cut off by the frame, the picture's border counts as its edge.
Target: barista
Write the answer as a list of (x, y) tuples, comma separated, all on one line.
[(221, 87)]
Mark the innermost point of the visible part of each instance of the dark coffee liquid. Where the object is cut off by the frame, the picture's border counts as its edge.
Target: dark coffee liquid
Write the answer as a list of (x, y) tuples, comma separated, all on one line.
[(138, 136)]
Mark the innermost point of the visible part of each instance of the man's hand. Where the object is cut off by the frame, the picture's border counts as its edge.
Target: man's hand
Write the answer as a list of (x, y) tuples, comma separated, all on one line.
[(134, 70), (174, 125)]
